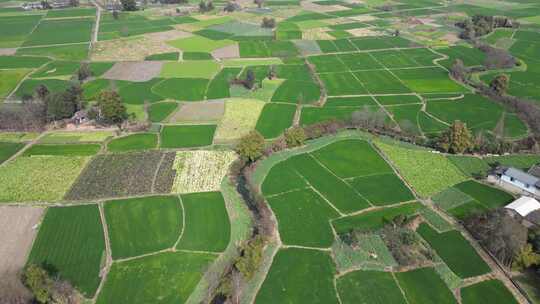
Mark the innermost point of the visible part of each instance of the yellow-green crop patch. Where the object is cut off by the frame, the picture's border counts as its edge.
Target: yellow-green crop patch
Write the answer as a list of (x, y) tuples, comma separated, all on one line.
[(39, 178), (190, 69), (199, 44), (240, 118)]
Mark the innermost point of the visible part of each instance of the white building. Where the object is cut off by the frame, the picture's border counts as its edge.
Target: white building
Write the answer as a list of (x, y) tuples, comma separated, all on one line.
[(518, 181), (524, 206)]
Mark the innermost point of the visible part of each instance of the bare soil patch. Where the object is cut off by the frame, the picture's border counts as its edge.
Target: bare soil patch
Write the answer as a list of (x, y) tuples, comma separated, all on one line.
[(230, 51), (7, 51), (322, 8), (134, 71), (17, 230), (363, 32), (199, 112), (136, 48)]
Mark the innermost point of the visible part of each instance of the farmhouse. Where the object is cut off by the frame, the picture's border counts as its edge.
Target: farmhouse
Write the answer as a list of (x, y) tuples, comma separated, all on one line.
[(528, 209), (516, 180)]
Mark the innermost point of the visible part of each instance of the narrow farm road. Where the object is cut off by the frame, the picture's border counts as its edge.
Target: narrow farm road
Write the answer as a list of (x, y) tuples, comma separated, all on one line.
[(98, 18)]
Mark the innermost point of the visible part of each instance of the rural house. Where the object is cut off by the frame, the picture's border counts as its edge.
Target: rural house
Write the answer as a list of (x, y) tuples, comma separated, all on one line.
[(528, 208), (516, 180)]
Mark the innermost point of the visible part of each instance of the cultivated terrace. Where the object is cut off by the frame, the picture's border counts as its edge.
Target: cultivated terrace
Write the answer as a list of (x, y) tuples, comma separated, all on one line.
[(268, 151)]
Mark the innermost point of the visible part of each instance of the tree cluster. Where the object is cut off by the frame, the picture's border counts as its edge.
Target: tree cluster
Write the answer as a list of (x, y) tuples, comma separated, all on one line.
[(129, 5), (499, 84), (48, 290), (231, 7), (268, 22), (206, 6), (457, 139), (480, 25), (111, 108), (499, 232), (497, 58)]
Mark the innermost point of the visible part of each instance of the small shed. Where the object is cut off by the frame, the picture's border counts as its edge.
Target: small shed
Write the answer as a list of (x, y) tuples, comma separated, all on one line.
[(524, 205)]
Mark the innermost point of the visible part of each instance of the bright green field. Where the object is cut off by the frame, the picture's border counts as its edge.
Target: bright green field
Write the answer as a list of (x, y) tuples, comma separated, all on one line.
[(190, 69), (207, 226), (274, 119), (165, 278), (299, 276), (71, 240), (9, 80), (352, 158), (303, 218), (186, 89), (492, 291), (63, 150), (63, 52), (455, 251), (184, 136), (488, 196), (133, 142), (375, 189), (424, 286), (199, 44), (60, 32), (372, 287), (143, 225)]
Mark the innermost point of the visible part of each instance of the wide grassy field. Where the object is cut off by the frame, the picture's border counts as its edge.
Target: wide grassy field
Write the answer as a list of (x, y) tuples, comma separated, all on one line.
[(139, 226), (167, 278), (206, 226), (75, 137), (185, 136), (369, 287), (71, 241), (133, 142), (299, 276)]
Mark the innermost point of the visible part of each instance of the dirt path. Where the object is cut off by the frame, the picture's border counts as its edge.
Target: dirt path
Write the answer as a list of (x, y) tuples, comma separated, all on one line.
[(108, 259), (96, 26)]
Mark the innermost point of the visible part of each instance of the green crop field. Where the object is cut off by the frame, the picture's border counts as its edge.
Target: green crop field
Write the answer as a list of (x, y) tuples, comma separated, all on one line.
[(372, 220), (71, 241), (133, 142), (375, 189), (63, 150), (185, 89), (299, 276), (423, 285), (493, 291), (428, 173), (274, 119), (303, 218), (39, 178), (181, 271), (60, 32), (369, 287), (455, 251), (206, 226), (183, 136), (8, 149), (143, 225), (352, 158)]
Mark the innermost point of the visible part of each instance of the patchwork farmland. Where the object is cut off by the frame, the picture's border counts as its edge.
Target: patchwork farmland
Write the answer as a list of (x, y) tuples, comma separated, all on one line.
[(278, 151)]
